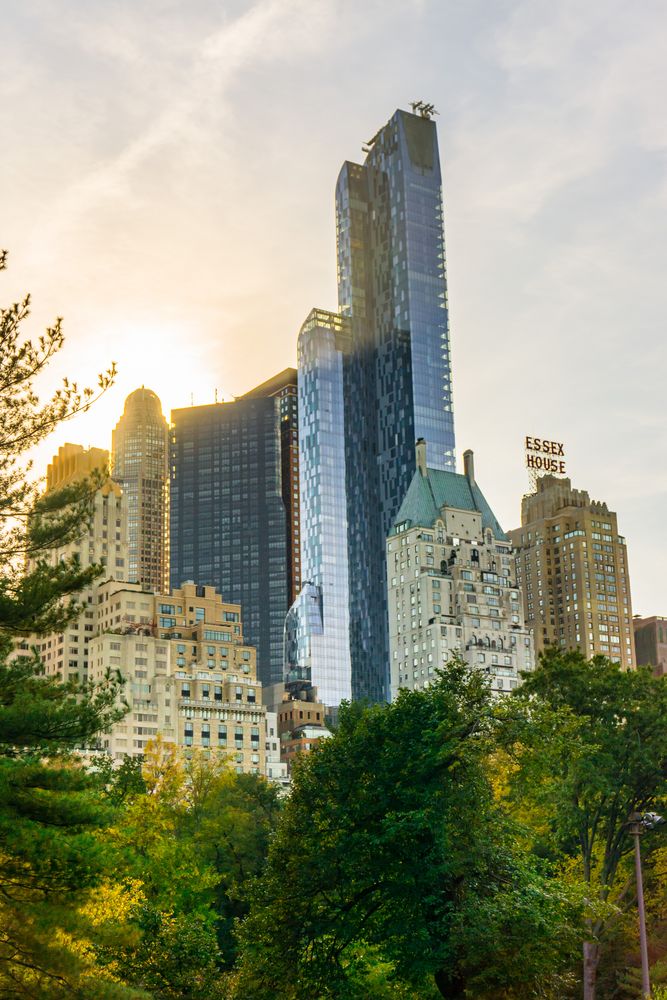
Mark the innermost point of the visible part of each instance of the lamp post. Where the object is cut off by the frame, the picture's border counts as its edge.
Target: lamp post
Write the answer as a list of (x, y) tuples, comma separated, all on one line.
[(637, 824)]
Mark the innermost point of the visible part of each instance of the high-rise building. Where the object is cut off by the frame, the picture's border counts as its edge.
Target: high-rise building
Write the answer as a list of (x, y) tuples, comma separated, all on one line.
[(572, 568), (392, 289), (102, 542), (651, 642), (317, 629), (451, 584), (140, 463), (283, 387), (190, 675), (228, 517)]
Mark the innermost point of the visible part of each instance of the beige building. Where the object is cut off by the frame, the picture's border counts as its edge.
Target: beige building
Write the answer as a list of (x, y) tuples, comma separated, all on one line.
[(189, 674), (140, 463), (572, 568), (104, 541), (451, 584)]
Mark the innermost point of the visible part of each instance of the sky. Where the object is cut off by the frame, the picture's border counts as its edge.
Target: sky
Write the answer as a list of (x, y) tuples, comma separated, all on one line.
[(167, 186)]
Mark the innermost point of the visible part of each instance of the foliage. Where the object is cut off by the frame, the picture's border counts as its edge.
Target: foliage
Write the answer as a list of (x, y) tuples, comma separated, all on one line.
[(589, 750), (50, 856), (391, 840), (49, 814), (30, 524), (192, 833)]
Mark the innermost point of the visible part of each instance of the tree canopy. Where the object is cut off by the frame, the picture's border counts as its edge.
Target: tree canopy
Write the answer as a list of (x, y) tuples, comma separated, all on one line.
[(392, 842)]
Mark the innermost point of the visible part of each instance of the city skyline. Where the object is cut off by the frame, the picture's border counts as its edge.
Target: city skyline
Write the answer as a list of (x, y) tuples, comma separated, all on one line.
[(554, 247)]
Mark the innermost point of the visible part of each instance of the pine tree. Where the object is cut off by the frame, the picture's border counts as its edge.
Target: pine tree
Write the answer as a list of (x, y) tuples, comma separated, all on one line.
[(50, 810)]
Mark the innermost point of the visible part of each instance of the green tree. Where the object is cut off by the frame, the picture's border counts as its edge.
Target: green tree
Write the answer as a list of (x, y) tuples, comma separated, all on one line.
[(50, 855), (391, 842), (590, 749), (230, 820), (31, 524), (174, 953)]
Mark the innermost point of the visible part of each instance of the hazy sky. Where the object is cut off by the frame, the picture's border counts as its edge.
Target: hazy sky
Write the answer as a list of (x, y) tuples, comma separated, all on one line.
[(167, 178)]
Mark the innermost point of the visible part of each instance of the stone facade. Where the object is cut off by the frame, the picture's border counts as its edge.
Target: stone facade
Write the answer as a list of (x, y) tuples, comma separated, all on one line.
[(572, 567), (451, 584)]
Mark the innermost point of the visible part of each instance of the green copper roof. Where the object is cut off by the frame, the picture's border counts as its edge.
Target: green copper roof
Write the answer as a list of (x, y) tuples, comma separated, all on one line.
[(427, 495)]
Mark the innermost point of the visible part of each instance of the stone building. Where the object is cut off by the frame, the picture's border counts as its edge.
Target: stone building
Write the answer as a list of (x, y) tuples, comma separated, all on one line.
[(572, 567), (189, 674), (451, 584)]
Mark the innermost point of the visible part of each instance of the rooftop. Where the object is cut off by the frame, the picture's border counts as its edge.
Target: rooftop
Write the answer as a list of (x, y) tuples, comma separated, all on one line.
[(433, 489)]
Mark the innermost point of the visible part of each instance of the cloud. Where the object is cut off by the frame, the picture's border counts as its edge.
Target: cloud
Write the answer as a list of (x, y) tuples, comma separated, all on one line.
[(219, 59)]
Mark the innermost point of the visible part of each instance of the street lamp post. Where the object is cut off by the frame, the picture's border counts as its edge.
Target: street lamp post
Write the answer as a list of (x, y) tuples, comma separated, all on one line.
[(636, 828), (637, 824)]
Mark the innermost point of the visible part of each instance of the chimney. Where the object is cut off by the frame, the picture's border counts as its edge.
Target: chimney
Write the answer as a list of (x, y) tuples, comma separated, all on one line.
[(420, 454), (469, 466)]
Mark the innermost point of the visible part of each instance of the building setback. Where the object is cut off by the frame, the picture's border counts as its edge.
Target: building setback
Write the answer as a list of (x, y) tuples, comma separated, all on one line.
[(651, 642), (229, 525), (451, 584), (572, 567), (140, 464), (392, 289)]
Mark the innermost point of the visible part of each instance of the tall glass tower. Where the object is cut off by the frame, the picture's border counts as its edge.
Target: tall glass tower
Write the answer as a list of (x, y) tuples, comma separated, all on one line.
[(317, 626), (392, 289), (228, 517)]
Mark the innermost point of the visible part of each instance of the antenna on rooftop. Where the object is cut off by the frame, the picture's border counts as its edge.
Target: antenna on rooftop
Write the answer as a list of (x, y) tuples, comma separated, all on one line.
[(423, 109)]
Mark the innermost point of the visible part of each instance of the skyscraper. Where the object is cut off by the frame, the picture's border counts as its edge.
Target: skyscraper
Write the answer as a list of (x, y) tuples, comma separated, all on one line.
[(317, 627), (392, 288), (228, 518), (572, 568), (283, 387), (140, 464)]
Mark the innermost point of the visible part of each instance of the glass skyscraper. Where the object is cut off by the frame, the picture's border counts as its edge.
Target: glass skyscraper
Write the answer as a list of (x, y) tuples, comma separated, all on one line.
[(317, 627), (392, 289), (228, 519)]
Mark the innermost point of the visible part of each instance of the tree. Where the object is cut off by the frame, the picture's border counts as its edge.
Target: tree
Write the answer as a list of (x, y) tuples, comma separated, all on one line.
[(230, 819), (32, 524), (391, 843), (590, 750), (174, 952), (50, 855)]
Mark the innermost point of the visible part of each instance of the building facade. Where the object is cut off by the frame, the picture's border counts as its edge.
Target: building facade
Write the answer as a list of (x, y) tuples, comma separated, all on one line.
[(451, 584), (190, 676), (283, 387), (572, 568), (651, 642), (392, 289), (229, 525), (102, 542), (317, 629), (140, 464)]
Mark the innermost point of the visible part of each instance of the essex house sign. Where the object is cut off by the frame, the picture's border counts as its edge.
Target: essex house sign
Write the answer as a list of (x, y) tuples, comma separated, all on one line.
[(543, 458)]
